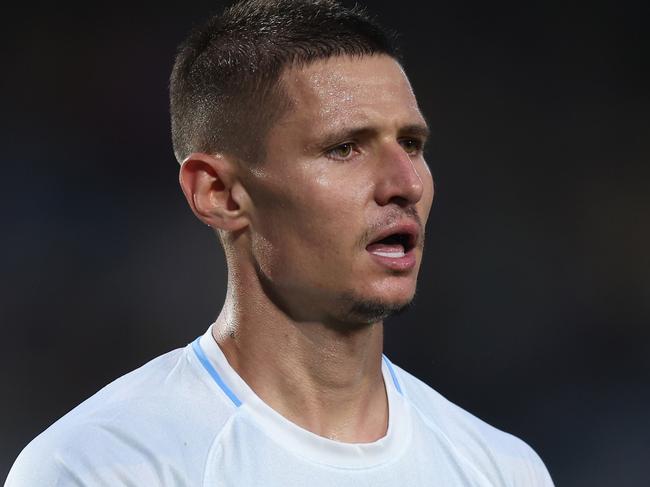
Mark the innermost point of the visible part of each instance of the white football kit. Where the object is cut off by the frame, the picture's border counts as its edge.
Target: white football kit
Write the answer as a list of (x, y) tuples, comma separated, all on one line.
[(187, 419)]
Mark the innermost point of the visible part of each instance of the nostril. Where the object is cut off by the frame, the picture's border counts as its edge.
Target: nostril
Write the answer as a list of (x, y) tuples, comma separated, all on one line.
[(400, 201)]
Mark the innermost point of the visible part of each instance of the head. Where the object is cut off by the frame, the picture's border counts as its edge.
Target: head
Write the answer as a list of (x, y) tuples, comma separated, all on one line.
[(301, 142), (224, 89)]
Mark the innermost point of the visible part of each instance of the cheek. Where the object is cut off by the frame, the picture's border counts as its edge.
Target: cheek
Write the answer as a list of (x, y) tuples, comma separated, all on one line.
[(428, 193), (306, 232)]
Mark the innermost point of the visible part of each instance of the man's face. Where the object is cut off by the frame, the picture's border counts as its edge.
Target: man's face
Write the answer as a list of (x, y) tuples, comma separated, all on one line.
[(341, 200)]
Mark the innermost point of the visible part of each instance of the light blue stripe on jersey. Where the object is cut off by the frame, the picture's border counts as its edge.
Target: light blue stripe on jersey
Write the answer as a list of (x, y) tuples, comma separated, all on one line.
[(200, 354), (392, 374)]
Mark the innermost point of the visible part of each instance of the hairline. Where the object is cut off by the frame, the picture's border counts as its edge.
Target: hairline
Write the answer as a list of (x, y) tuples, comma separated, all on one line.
[(279, 92)]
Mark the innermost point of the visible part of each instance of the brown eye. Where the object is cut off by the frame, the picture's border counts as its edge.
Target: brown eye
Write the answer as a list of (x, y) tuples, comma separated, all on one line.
[(342, 151), (412, 147)]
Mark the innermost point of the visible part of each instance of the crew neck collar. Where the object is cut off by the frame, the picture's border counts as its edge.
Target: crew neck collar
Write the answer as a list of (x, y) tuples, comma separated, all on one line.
[(300, 441)]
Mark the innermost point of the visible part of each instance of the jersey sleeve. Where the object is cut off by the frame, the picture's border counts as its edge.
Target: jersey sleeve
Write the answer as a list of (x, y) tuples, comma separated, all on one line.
[(89, 457), (33, 467), (529, 470)]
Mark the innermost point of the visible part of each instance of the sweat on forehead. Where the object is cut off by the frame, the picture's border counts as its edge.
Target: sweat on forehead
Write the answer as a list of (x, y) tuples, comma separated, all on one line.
[(348, 94)]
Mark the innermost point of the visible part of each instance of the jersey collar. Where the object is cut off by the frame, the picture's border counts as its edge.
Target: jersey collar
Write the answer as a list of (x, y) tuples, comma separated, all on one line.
[(297, 439)]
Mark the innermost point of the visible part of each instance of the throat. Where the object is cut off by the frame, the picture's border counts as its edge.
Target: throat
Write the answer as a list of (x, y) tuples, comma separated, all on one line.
[(325, 381), (357, 417)]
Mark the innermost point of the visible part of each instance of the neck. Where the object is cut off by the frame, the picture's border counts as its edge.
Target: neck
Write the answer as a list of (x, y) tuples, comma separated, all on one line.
[(326, 380)]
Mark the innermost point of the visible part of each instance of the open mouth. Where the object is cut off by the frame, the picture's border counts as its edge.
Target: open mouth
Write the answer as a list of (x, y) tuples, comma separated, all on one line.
[(394, 246)]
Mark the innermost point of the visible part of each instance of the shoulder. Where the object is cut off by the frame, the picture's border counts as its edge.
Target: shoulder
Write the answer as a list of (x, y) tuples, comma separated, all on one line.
[(147, 426), (496, 453)]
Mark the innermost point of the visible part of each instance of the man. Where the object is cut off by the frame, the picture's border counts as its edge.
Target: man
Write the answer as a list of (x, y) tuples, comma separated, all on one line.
[(300, 142)]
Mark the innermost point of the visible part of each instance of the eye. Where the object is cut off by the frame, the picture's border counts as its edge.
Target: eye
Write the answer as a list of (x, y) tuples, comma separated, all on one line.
[(342, 151), (413, 147)]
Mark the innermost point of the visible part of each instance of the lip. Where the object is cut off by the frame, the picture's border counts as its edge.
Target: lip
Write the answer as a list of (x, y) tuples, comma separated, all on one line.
[(406, 262), (410, 228)]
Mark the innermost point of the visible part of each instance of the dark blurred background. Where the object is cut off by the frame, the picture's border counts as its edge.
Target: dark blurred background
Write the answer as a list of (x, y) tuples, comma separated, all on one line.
[(533, 309)]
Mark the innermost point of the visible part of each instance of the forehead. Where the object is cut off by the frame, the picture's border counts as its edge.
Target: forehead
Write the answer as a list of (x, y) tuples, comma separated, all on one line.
[(350, 90)]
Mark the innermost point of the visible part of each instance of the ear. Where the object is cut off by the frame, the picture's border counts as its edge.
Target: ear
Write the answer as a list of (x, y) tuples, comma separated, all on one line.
[(213, 191)]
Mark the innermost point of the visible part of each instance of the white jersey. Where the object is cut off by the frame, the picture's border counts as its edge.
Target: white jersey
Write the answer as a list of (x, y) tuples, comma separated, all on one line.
[(187, 419)]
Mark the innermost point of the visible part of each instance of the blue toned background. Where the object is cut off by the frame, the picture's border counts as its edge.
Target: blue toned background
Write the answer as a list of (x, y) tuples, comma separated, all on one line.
[(533, 310)]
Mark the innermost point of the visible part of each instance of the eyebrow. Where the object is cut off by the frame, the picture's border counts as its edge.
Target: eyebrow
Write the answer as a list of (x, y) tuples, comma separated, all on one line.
[(420, 130), (416, 129)]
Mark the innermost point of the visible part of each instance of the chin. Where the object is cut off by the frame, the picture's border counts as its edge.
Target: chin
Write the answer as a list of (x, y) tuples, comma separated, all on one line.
[(372, 309), (374, 312)]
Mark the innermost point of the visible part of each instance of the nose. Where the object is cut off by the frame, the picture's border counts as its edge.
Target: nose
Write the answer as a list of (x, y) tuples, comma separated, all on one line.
[(398, 180)]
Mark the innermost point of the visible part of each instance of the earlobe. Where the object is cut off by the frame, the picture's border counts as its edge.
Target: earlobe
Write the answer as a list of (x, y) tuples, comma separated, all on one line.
[(213, 192)]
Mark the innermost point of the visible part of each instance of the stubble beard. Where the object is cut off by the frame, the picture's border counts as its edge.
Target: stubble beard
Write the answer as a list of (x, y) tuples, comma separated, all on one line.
[(363, 311)]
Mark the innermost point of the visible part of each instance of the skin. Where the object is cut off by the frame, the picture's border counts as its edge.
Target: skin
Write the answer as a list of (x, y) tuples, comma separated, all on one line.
[(343, 164)]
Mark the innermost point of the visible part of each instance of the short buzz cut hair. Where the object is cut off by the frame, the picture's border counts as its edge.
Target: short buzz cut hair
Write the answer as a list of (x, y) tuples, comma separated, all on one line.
[(225, 90)]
